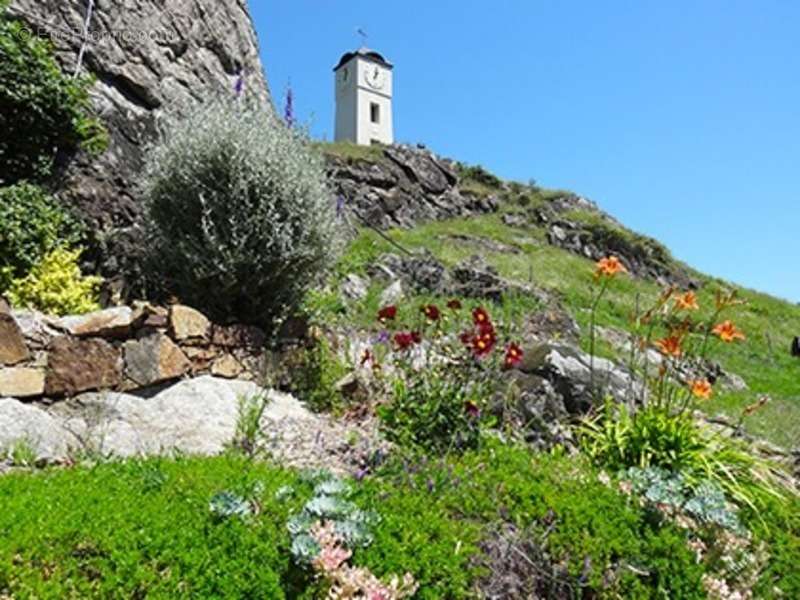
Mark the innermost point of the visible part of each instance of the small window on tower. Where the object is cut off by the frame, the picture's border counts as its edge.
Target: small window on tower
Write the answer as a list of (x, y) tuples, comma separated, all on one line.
[(374, 112)]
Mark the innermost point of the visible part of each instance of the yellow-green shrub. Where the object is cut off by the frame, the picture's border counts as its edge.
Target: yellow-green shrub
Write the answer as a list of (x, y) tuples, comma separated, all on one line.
[(55, 285)]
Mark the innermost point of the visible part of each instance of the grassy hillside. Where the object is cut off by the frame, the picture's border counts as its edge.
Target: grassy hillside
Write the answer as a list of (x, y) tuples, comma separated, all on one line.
[(763, 362)]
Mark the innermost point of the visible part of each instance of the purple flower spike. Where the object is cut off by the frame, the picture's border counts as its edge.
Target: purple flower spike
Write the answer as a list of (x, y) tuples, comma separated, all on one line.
[(289, 111), (239, 86), (430, 485)]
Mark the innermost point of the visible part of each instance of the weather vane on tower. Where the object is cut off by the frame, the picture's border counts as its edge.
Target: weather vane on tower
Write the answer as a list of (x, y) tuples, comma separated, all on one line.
[(360, 31)]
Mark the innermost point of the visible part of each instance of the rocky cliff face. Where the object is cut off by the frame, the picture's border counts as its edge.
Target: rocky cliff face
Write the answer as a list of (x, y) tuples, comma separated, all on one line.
[(403, 187), (149, 57)]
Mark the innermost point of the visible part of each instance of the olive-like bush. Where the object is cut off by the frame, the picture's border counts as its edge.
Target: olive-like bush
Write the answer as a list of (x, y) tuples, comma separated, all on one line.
[(32, 224), (42, 110), (240, 216)]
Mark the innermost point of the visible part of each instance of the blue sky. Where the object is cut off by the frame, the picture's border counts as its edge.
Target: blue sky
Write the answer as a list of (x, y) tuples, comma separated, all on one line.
[(681, 119)]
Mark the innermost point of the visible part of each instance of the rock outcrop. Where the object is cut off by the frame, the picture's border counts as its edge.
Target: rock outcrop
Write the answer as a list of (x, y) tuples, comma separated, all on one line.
[(404, 187), (149, 58), (423, 273), (600, 235)]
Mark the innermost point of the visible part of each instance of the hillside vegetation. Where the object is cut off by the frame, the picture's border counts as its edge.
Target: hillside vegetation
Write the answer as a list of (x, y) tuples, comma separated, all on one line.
[(770, 323)]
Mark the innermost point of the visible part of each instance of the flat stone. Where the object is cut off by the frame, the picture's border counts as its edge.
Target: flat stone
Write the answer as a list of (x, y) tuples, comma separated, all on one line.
[(154, 359), (76, 365), (12, 343), (187, 324), (227, 366), (111, 323), (149, 316), (200, 358), (22, 423), (37, 328), (21, 382), (238, 336)]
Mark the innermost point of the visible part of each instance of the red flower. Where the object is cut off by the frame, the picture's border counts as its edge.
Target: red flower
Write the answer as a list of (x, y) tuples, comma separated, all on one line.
[(472, 409), (486, 328), (481, 317), (513, 356), (403, 340), (466, 338), (432, 312), (387, 313), (416, 337), (483, 343), (454, 304)]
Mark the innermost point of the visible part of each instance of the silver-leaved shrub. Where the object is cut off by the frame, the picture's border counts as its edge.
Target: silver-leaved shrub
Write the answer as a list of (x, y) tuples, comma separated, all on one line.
[(240, 217)]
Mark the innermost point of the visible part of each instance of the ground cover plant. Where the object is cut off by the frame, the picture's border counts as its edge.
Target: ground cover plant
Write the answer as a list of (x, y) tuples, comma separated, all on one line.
[(220, 527)]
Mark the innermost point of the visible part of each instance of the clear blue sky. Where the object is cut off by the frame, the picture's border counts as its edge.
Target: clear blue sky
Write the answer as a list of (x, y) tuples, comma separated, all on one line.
[(680, 118)]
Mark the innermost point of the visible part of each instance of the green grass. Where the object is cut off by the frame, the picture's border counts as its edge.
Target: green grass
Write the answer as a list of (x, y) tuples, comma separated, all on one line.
[(142, 528), (763, 361), (437, 512), (351, 152)]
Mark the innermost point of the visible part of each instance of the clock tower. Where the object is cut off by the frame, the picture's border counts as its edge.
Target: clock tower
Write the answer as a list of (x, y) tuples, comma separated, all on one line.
[(363, 98)]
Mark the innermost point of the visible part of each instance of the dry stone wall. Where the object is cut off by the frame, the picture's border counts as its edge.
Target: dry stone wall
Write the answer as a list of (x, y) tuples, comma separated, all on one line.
[(122, 349)]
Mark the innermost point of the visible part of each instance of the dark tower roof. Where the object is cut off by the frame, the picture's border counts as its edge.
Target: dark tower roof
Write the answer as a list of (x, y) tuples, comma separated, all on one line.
[(366, 53)]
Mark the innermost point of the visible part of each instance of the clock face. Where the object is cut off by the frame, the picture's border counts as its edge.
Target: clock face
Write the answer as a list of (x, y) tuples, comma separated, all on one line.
[(374, 77)]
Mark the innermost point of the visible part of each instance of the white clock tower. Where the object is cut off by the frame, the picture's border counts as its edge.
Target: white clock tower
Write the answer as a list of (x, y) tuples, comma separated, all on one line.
[(364, 98)]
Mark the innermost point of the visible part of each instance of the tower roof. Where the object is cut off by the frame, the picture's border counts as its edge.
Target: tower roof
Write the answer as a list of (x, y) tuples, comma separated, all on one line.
[(367, 54)]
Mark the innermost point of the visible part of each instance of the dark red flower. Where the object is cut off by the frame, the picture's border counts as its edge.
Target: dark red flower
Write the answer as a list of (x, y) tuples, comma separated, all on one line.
[(454, 304), (483, 343), (513, 356), (481, 317), (472, 409), (387, 313), (403, 339), (416, 337), (466, 338), (431, 312), (486, 328)]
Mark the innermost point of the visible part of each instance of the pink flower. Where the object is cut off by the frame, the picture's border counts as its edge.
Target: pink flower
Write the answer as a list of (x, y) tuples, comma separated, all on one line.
[(331, 558)]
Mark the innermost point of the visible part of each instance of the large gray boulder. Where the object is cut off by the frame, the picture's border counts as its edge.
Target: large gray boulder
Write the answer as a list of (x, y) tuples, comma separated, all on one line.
[(194, 416), (23, 424), (149, 57), (581, 382)]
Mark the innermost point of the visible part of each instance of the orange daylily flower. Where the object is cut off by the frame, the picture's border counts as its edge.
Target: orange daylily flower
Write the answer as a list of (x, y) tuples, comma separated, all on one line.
[(687, 301), (609, 266), (728, 332), (670, 346), (701, 388)]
